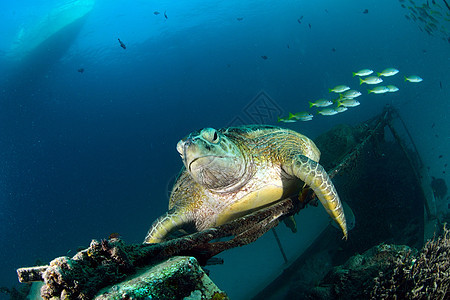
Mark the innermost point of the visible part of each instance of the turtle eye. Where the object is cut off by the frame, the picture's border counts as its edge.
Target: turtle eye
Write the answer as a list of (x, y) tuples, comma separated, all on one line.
[(210, 135), (215, 137)]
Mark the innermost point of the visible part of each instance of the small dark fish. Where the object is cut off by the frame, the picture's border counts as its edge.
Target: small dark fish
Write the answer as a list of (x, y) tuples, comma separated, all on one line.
[(81, 70), (299, 21), (288, 46), (240, 19), (366, 11), (165, 15), (122, 44), (403, 5), (440, 84), (156, 13), (436, 135), (333, 49), (309, 26), (445, 166), (326, 10), (432, 126), (264, 57), (440, 156), (407, 17)]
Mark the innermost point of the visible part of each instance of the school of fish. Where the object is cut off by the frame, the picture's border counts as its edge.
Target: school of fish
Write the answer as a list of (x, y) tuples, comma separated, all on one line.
[(429, 16), (346, 96)]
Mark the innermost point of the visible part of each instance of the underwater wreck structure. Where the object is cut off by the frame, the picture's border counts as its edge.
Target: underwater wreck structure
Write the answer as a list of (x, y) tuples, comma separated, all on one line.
[(373, 167)]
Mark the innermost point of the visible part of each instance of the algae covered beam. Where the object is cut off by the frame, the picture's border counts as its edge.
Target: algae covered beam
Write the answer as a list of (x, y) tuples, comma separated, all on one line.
[(31, 274)]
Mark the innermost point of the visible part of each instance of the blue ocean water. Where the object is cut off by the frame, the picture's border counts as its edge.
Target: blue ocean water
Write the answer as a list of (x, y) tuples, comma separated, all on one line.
[(88, 129)]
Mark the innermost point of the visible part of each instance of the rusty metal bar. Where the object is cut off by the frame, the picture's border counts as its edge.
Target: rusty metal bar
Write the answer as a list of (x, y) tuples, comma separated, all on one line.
[(279, 245)]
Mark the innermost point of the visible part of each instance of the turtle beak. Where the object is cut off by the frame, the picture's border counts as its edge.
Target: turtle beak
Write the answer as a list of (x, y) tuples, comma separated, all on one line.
[(182, 148)]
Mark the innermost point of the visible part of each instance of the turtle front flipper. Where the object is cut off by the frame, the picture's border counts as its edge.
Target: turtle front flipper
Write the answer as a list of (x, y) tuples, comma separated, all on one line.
[(314, 175), (164, 225)]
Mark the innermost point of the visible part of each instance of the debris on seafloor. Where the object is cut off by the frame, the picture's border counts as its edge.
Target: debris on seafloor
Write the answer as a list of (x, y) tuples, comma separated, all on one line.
[(391, 272), (355, 278)]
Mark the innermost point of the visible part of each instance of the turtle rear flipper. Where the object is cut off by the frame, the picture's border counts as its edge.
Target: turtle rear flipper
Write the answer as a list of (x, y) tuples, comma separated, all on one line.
[(291, 224), (314, 175), (164, 225)]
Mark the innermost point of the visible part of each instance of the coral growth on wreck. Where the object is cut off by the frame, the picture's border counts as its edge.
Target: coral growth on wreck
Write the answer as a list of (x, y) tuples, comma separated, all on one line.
[(425, 276), (390, 272)]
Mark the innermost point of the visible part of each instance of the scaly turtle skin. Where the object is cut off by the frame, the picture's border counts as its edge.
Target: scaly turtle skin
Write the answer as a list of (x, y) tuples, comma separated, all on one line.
[(233, 171)]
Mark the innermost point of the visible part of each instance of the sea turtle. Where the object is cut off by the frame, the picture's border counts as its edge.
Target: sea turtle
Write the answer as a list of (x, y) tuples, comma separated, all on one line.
[(233, 171)]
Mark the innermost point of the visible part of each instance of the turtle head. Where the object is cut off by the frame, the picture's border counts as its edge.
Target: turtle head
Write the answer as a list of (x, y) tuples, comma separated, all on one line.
[(212, 159)]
